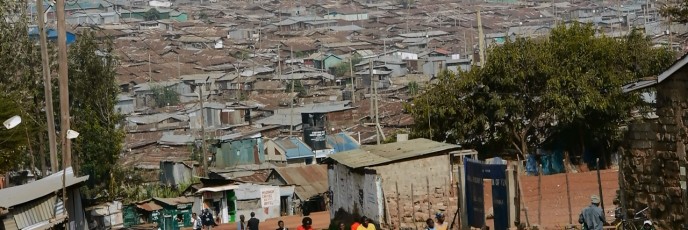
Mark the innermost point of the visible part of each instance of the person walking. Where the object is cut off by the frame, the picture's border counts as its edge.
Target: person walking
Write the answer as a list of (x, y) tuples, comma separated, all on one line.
[(440, 224), (365, 224), (253, 222), (280, 225), (306, 224), (355, 224), (196, 222), (241, 225), (592, 217), (207, 219), (430, 224)]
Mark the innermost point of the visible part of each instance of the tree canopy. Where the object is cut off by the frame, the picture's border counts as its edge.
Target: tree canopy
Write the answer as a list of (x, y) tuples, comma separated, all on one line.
[(93, 94), (535, 92)]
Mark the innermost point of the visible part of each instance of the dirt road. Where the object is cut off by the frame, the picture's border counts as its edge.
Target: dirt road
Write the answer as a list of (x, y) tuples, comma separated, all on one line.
[(555, 214), (555, 211)]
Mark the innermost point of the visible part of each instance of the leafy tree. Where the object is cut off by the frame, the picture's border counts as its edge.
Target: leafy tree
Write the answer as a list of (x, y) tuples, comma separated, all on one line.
[(344, 68), (93, 95), (20, 85), (532, 92), (164, 96), (676, 12)]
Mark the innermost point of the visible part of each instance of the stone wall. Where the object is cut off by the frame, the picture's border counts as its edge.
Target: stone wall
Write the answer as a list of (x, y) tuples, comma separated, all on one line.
[(655, 150), (428, 180), (413, 211)]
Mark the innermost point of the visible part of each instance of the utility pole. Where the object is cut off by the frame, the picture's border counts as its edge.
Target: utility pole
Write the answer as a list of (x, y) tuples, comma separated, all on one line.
[(64, 96), (202, 111), (47, 89), (150, 71), (481, 42), (374, 83), (291, 104), (353, 80)]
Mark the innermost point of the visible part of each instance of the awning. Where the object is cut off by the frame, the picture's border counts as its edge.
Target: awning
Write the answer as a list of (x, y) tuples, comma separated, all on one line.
[(219, 188)]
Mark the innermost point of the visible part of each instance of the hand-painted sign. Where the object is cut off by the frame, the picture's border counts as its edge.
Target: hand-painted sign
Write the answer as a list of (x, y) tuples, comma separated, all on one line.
[(269, 197), (500, 204), (475, 204)]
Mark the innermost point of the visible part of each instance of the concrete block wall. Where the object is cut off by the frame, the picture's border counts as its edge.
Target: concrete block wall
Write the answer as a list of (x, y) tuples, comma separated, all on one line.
[(655, 150)]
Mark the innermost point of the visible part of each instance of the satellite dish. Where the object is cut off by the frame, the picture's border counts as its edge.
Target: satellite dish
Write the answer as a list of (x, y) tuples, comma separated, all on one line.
[(12, 122)]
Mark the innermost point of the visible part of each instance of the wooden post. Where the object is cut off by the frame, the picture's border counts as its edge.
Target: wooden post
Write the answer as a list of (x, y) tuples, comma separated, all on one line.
[(682, 179), (599, 184), (427, 186), (396, 185), (413, 208), (520, 191), (540, 194), (622, 185), (568, 191)]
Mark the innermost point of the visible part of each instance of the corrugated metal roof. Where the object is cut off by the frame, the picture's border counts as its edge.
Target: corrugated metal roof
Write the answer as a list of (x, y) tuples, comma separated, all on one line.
[(174, 201), (294, 148), (12, 196), (148, 206), (311, 180), (370, 155)]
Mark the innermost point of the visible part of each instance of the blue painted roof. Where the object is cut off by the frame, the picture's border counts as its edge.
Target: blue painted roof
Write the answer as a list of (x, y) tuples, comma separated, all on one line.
[(52, 34), (294, 148), (341, 142)]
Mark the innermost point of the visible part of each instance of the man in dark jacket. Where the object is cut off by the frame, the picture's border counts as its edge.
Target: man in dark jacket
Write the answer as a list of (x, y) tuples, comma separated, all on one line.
[(253, 222), (207, 219)]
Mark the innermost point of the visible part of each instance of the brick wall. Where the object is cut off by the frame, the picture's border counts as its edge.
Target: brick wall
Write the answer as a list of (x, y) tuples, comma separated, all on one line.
[(655, 149)]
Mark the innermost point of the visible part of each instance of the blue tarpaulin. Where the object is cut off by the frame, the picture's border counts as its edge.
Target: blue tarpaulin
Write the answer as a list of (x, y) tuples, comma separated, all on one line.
[(552, 162)]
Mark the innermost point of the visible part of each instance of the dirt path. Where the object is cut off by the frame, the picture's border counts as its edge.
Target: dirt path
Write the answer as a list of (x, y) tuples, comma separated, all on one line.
[(555, 214)]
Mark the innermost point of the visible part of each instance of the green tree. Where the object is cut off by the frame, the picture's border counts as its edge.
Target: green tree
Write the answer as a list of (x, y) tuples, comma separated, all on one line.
[(298, 88), (164, 96), (93, 95), (530, 91), (20, 87)]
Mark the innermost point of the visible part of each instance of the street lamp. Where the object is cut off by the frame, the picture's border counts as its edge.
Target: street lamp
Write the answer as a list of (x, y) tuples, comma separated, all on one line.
[(12, 122)]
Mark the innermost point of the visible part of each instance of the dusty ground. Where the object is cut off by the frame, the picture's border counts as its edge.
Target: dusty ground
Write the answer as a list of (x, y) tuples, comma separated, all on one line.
[(321, 220), (555, 211)]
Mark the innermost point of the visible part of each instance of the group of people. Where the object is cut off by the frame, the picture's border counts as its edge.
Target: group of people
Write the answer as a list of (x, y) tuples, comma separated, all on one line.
[(205, 221), (439, 225), (592, 217)]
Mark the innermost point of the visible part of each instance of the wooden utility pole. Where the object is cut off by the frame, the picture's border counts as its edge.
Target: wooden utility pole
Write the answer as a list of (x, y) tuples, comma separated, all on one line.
[(202, 111), (568, 190), (64, 96), (599, 184), (353, 80), (47, 88), (291, 104), (481, 41), (373, 82)]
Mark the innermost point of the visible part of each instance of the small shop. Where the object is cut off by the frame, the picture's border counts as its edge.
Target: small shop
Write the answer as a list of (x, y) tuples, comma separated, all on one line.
[(166, 213), (228, 202), (176, 212)]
